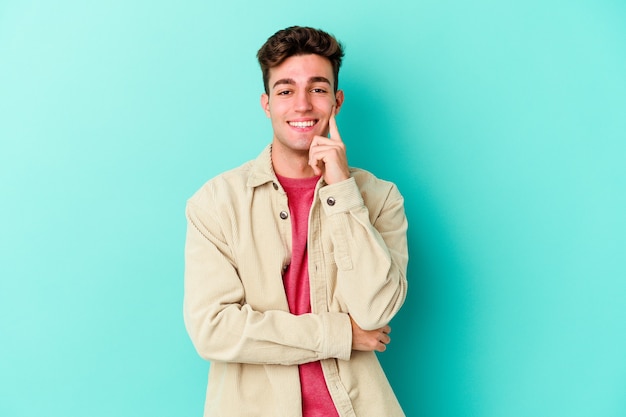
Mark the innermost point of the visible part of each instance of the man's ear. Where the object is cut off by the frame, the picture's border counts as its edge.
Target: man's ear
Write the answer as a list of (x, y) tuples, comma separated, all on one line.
[(265, 103), (338, 100)]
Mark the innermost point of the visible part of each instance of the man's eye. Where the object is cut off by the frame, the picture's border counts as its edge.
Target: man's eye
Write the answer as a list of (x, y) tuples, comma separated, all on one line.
[(284, 93), (318, 90)]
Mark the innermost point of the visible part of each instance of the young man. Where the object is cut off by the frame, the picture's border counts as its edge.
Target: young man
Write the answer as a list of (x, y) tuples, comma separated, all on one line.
[(295, 262)]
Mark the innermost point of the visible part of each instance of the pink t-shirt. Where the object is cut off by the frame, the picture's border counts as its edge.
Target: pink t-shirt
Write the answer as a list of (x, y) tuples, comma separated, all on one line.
[(316, 400)]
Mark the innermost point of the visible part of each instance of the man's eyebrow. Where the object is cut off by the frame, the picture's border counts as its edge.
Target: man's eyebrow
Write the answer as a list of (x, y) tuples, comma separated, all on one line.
[(283, 81), (319, 80), (312, 80)]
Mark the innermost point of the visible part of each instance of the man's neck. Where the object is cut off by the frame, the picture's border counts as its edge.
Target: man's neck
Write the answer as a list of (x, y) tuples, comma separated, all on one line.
[(292, 164)]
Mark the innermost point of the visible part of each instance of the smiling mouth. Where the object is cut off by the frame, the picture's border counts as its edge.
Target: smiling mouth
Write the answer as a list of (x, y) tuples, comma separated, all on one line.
[(308, 123)]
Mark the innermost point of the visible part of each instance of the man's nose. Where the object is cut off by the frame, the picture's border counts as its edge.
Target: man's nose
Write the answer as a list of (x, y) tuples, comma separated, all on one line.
[(303, 101)]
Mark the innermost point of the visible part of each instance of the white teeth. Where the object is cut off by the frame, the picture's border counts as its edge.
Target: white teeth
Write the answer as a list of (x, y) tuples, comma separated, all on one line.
[(302, 124)]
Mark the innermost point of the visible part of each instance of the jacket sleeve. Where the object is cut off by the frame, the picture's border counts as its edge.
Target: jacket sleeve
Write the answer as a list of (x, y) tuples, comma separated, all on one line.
[(370, 248), (223, 327)]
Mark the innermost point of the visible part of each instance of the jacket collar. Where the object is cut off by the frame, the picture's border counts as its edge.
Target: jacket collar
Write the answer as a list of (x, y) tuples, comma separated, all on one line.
[(262, 171)]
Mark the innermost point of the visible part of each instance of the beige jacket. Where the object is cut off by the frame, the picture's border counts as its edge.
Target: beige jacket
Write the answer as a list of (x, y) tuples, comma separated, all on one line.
[(235, 308)]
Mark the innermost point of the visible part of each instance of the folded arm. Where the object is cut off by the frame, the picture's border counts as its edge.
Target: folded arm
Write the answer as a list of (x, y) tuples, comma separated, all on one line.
[(223, 327)]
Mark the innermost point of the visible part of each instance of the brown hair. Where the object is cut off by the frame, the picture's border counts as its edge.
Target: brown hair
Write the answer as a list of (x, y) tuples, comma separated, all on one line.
[(297, 40)]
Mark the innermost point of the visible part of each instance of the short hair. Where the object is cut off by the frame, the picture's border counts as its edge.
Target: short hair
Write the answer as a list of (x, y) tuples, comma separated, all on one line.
[(298, 40)]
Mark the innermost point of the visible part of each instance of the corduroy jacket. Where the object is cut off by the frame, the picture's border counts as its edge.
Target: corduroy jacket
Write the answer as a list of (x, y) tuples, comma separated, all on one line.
[(235, 309)]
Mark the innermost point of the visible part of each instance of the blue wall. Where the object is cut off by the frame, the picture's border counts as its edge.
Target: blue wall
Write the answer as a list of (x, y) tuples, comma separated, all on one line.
[(503, 123)]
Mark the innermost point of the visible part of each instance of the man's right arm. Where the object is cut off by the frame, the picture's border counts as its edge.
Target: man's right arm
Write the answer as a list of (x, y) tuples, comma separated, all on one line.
[(370, 340), (223, 327)]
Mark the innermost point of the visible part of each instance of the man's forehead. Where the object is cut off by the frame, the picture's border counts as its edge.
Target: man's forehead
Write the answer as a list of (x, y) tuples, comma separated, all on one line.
[(303, 69)]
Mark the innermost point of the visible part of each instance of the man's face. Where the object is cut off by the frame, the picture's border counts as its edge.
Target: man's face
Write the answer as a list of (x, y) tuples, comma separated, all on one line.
[(300, 101)]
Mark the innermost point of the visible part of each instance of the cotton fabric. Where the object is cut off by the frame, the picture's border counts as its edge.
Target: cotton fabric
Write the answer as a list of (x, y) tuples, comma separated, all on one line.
[(235, 308)]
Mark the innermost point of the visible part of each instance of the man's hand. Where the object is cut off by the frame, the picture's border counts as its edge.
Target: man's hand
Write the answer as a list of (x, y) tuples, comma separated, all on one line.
[(370, 340), (327, 156)]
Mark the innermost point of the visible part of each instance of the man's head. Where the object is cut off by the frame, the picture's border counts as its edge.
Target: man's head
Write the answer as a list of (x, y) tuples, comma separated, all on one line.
[(300, 67), (296, 40)]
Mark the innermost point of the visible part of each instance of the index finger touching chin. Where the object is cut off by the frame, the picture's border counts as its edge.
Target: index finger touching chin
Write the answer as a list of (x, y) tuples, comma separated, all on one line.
[(333, 130)]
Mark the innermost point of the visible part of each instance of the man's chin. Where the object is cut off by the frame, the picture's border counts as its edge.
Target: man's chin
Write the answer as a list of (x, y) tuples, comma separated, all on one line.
[(296, 146)]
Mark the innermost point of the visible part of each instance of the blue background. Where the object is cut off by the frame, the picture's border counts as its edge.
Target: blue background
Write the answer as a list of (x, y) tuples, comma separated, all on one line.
[(502, 122)]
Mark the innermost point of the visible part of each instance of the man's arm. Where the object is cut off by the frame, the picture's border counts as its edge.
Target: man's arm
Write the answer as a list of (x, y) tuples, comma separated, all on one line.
[(370, 340), (224, 328), (370, 248), (370, 240)]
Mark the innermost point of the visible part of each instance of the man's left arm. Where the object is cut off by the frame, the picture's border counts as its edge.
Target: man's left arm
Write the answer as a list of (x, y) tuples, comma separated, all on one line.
[(369, 238), (370, 248)]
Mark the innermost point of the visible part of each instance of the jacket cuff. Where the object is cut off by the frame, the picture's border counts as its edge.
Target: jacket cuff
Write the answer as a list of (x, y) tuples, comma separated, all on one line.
[(338, 337), (340, 197)]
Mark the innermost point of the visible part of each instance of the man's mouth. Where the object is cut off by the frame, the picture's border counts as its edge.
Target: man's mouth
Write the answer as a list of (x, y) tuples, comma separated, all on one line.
[(303, 124)]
